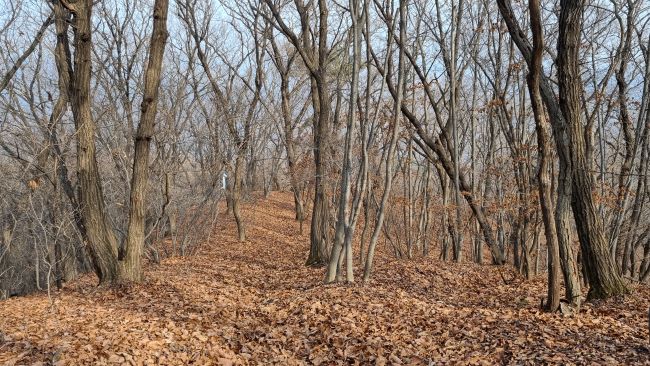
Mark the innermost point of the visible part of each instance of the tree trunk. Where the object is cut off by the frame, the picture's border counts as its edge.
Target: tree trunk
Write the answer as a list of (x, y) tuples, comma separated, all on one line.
[(575, 179), (343, 224), (102, 244), (388, 178), (545, 158), (237, 196), (604, 279), (131, 256)]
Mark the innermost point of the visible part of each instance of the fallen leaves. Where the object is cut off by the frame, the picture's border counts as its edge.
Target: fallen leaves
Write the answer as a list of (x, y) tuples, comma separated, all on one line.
[(255, 303)]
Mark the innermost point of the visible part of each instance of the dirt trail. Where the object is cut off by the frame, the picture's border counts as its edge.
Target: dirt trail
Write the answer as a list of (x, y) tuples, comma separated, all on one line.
[(255, 303)]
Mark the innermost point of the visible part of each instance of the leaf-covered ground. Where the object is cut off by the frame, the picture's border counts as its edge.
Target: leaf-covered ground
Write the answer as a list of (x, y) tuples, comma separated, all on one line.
[(255, 303)]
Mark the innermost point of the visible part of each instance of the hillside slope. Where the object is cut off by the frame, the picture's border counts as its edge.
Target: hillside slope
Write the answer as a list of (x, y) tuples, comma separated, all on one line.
[(255, 303)]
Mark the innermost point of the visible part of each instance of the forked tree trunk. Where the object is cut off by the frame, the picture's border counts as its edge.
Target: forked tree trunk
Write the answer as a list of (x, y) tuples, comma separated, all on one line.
[(345, 225)]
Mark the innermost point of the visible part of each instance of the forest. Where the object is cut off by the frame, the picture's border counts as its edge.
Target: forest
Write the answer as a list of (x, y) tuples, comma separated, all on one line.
[(324, 182)]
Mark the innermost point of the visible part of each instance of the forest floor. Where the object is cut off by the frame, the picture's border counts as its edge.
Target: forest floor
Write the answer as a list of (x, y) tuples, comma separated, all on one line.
[(256, 303)]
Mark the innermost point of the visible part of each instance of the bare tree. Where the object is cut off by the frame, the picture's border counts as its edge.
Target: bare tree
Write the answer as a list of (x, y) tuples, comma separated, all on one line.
[(566, 120), (545, 156), (314, 50), (131, 258), (398, 94)]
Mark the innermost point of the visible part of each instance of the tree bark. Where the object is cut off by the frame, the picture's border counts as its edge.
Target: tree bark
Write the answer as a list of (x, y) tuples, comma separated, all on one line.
[(315, 56), (131, 256), (545, 158), (604, 279), (388, 178), (102, 244), (575, 180), (345, 226)]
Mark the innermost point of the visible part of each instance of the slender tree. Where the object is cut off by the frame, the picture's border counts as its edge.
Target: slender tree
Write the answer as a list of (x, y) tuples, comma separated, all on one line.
[(545, 158)]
